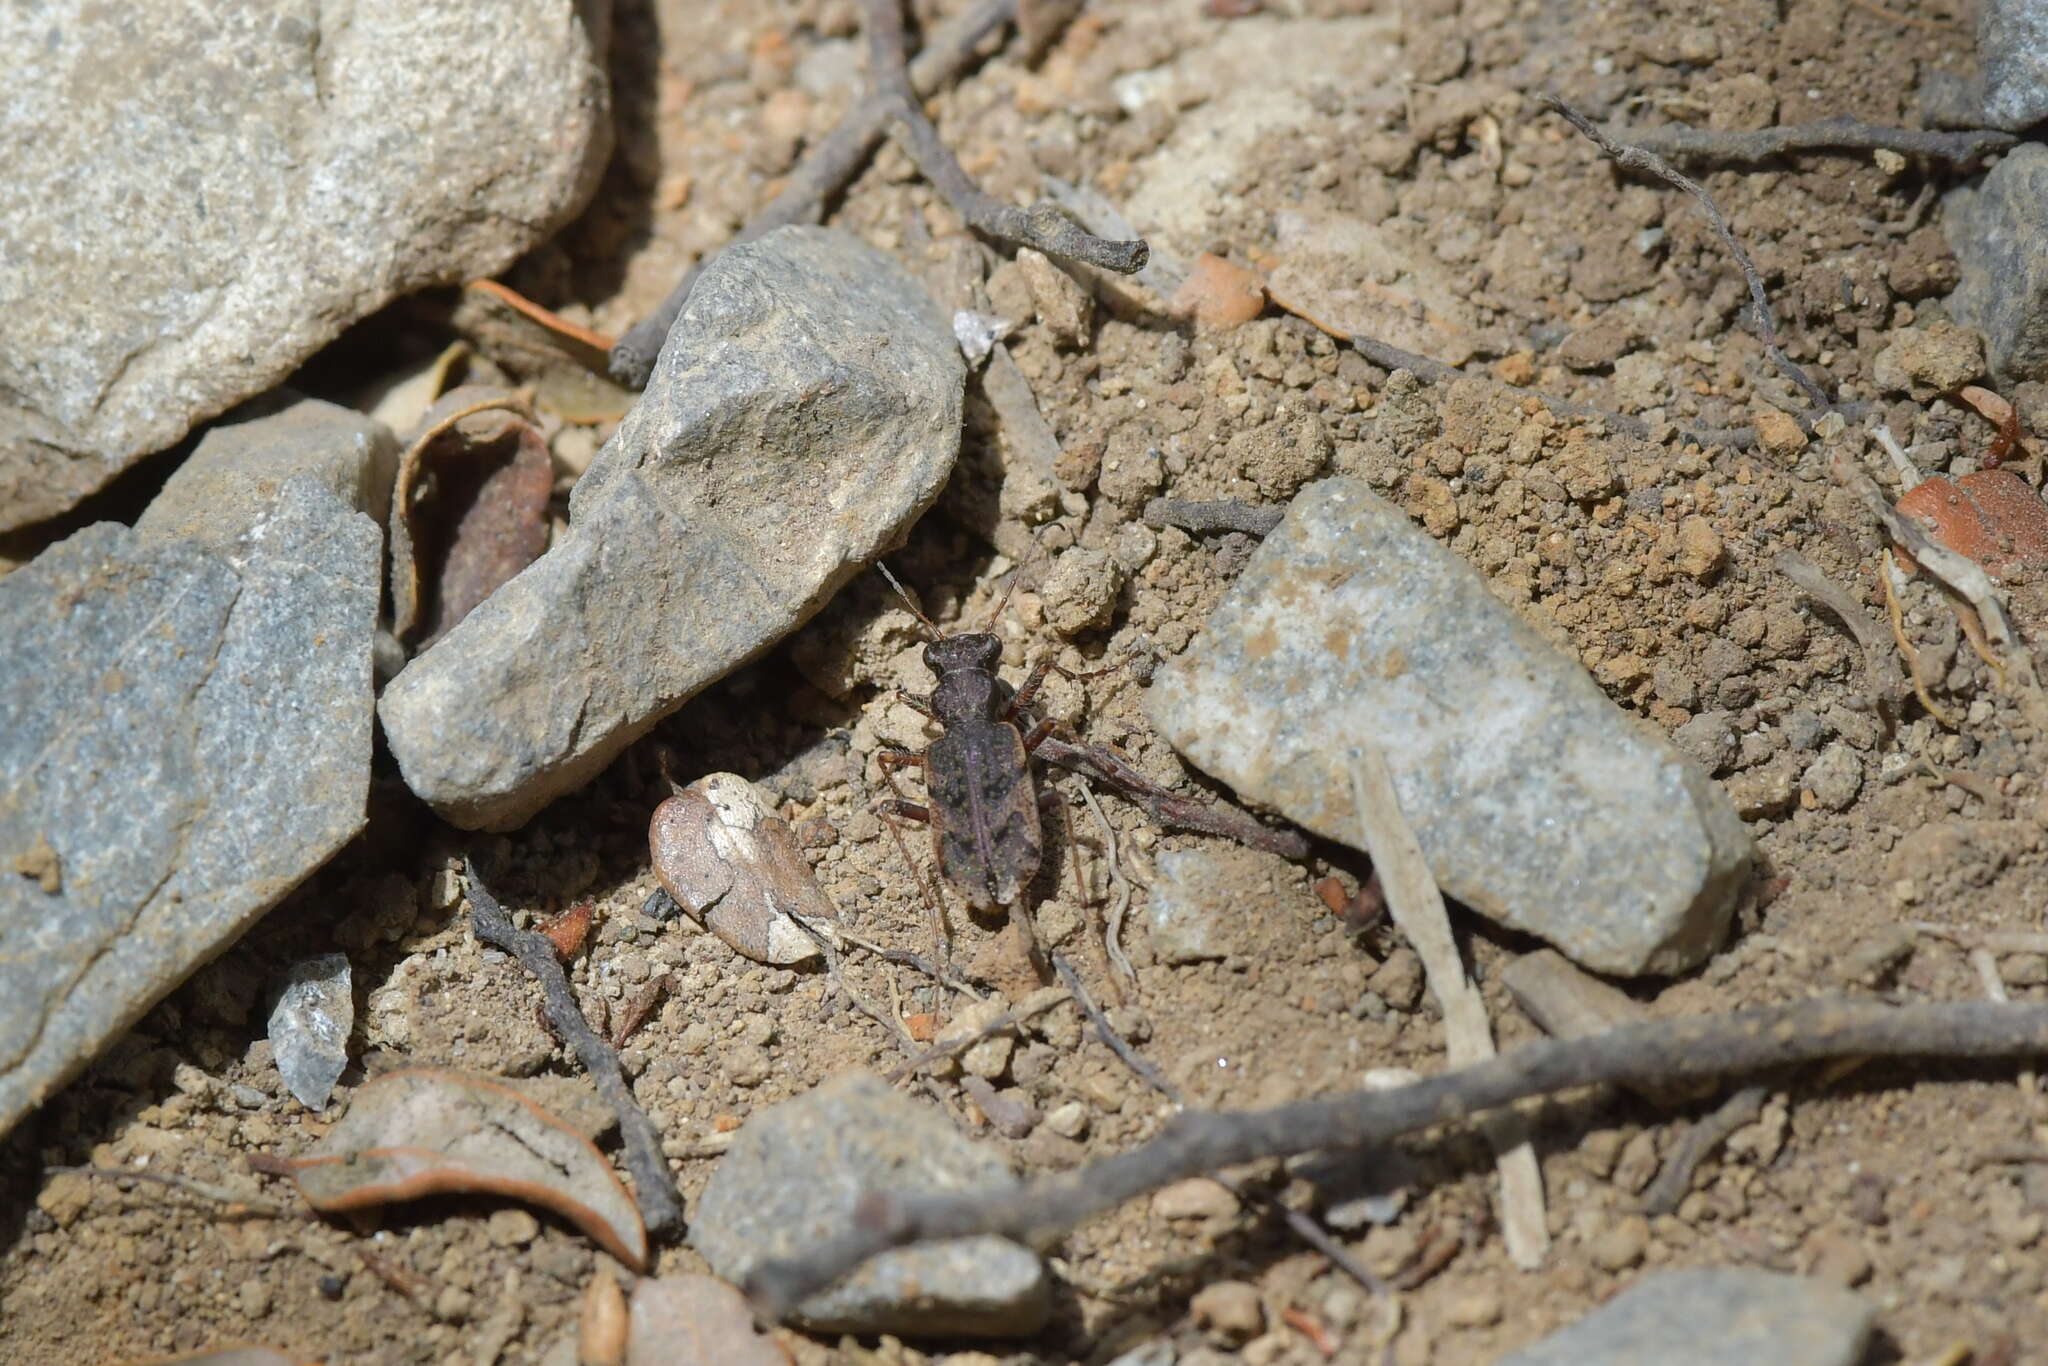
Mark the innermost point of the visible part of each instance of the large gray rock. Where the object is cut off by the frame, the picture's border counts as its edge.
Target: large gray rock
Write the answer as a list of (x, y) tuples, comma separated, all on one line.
[(1538, 802), (2000, 239), (2012, 48), (188, 731), (804, 412), (1714, 1316), (794, 1177), (206, 193)]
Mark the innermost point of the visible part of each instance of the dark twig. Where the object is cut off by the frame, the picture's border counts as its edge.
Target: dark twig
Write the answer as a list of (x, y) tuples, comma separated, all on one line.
[(1637, 159), (1227, 514), (1196, 1143), (1829, 135), (1302, 1226), (1106, 766), (661, 1209), (827, 170), (1045, 225), (1674, 1183)]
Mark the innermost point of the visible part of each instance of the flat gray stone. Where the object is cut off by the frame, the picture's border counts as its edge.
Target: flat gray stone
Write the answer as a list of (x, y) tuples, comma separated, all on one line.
[(192, 737), (805, 411), (1538, 802), (2001, 244), (793, 1177), (1714, 1316), (221, 188)]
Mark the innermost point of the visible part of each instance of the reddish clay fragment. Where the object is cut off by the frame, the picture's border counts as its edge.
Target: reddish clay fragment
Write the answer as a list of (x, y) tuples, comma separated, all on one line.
[(1993, 516)]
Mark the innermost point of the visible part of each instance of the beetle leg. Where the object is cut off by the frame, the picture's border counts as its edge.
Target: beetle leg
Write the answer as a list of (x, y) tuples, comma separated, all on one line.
[(1022, 697), (907, 810), (894, 811), (1037, 733), (915, 703)]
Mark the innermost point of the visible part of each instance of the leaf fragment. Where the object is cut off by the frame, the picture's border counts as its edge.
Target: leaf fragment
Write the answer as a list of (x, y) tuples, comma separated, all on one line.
[(427, 1131), (732, 863)]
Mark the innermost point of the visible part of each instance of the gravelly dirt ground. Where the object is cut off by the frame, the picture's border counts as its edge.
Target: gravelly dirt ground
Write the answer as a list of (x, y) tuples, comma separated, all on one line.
[(1398, 152)]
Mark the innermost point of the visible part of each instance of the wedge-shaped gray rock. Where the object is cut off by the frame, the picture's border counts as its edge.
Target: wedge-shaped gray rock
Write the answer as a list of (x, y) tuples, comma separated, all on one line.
[(1538, 802), (804, 412), (1714, 1316), (793, 1178), (204, 193), (2001, 246), (187, 731)]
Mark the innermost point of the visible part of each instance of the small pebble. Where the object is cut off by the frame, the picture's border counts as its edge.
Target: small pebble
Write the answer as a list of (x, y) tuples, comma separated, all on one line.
[(1839, 1258), (1474, 1309), (332, 1287), (1398, 981), (990, 1058), (1835, 777), (1069, 1120), (1621, 1244), (512, 1228), (1229, 1312), (1198, 1197), (253, 1298)]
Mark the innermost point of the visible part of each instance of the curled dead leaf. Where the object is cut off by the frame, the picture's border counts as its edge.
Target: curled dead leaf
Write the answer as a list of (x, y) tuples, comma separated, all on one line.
[(469, 511), (1998, 413), (424, 1131), (697, 1321), (568, 930), (727, 858)]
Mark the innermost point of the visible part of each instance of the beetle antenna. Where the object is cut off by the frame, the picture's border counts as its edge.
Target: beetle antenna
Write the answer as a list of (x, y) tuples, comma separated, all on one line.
[(1037, 549), (909, 601)]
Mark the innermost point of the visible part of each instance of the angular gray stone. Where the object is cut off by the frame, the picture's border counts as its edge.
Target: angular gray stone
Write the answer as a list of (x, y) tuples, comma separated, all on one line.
[(1714, 1316), (2000, 240), (793, 1177), (196, 736), (254, 180), (309, 1027), (1538, 802), (804, 412)]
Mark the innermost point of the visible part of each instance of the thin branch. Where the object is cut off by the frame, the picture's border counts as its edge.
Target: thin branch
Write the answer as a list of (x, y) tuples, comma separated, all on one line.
[(1197, 1143), (1637, 159), (1302, 1226), (661, 1209), (1113, 930), (1674, 1183), (1044, 226), (233, 1202), (827, 170), (1828, 135), (1218, 817)]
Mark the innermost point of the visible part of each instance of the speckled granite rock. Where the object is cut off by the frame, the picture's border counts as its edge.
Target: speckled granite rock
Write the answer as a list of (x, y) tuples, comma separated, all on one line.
[(1538, 802), (220, 189)]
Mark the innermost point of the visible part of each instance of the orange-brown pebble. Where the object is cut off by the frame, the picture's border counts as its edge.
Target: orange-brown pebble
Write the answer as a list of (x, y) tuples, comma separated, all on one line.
[(601, 1330), (1993, 516), (1219, 294), (567, 930), (921, 1026), (726, 1123), (1518, 369)]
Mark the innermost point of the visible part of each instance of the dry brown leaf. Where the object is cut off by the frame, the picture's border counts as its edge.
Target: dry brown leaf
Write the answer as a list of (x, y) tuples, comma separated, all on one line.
[(469, 511), (727, 858), (697, 1321), (424, 1131)]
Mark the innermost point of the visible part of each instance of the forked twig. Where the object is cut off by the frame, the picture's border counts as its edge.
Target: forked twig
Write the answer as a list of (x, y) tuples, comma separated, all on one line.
[(823, 173), (1674, 1183), (1196, 1143), (654, 1190), (1044, 226), (1638, 159)]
